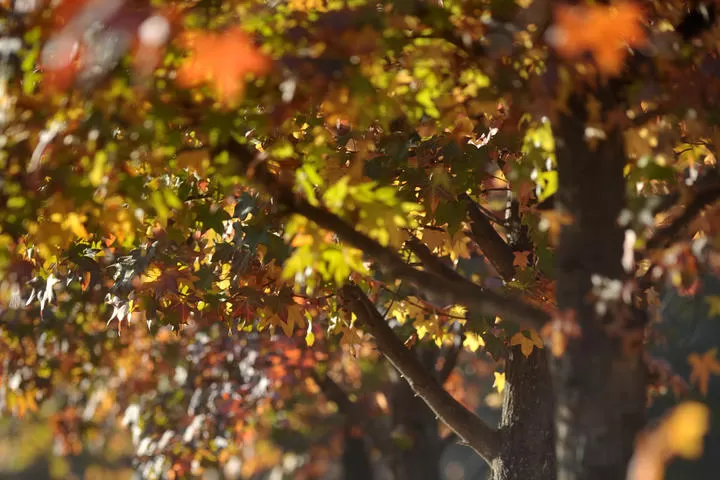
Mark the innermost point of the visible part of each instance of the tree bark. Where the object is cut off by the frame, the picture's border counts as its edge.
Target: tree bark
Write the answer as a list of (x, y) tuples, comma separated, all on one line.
[(599, 384), (526, 427)]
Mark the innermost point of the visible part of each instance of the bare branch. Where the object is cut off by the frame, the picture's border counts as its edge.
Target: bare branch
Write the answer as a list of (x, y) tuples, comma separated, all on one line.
[(469, 427), (436, 289)]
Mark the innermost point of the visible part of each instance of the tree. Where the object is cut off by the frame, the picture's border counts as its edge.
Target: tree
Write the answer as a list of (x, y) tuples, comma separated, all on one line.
[(211, 177)]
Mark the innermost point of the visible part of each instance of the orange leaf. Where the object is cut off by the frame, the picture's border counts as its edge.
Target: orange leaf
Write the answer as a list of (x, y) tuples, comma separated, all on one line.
[(223, 60), (702, 366), (604, 31)]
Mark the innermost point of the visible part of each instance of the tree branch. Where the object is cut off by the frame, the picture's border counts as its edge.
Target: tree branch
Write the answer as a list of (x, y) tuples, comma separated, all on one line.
[(431, 262), (451, 358), (707, 193), (438, 290), (469, 427), (351, 411), (496, 250)]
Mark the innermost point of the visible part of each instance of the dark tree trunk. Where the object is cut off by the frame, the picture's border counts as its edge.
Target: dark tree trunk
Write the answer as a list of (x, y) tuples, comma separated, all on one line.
[(355, 458), (527, 428), (418, 445), (599, 384)]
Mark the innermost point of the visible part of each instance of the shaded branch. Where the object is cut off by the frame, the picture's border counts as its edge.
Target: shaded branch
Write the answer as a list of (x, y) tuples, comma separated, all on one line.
[(469, 427), (431, 262), (640, 119), (453, 353), (437, 289), (496, 250), (706, 193), (335, 394), (352, 412)]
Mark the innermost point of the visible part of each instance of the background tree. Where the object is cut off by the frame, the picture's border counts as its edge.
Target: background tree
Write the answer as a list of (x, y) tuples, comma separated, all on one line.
[(240, 188)]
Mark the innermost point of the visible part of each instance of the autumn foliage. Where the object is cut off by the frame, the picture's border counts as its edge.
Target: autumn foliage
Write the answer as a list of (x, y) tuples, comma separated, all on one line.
[(317, 238)]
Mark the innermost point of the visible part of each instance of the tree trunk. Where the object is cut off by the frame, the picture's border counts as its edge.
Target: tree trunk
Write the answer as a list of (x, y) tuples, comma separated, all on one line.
[(528, 447), (417, 437), (355, 459), (599, 383)]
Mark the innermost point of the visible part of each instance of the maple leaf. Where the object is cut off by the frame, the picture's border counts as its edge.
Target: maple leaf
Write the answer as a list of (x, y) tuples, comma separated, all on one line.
[(604, 31), (527, 341), (702, 366), (222, 60)]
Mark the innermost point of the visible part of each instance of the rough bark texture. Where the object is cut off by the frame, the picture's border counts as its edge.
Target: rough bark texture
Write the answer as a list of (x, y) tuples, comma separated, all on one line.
[(599, 385), (527, 428)]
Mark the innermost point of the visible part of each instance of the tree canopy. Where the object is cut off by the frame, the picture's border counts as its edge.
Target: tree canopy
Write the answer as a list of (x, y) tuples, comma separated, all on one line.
[(219, 216)]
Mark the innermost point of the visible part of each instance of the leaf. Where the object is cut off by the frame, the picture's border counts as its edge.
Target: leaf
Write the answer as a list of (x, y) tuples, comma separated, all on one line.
[(499, 382), (686, 427), (473, 341), (680, 433), (702, 367), (714, 302), (527, 341), (309, 336), (294, 315), (603, 30), (221, 59)]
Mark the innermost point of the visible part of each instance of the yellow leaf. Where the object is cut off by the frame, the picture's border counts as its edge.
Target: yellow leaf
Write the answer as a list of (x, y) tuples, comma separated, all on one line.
[(499, 382), (151, 275), (680, 433), (473, 341), (458, 246), (526, 342), (309, 338), (714, 302), (686, 426)]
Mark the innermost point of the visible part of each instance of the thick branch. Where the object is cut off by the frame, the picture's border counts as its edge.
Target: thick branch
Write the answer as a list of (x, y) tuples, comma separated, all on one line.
[(468, 426), (496, 250), (438, 290)]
